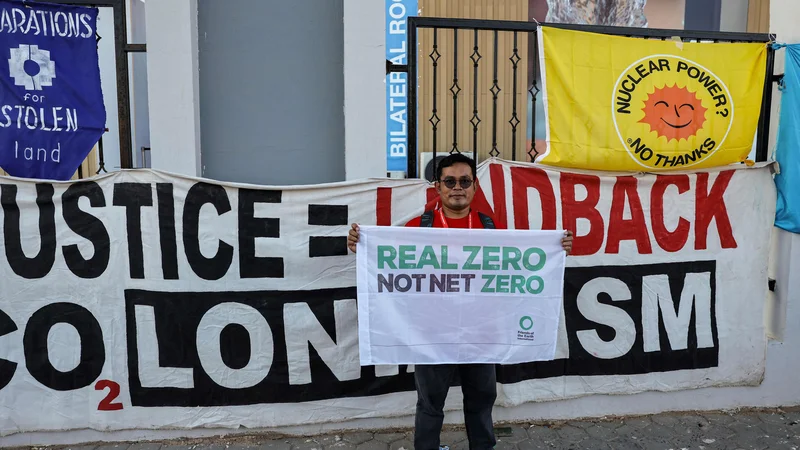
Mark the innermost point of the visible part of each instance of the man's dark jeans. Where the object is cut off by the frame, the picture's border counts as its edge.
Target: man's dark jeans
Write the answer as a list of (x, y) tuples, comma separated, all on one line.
[(479, 385)]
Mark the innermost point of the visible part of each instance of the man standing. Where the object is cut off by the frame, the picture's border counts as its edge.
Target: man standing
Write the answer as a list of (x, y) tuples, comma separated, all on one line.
[(456, 182)]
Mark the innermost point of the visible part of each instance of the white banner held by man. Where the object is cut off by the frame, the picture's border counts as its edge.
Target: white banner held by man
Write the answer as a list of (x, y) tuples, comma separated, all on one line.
[(437, 296)]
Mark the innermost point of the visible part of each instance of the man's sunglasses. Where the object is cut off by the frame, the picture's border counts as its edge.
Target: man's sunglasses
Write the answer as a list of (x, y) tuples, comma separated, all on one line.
[(450, 182)]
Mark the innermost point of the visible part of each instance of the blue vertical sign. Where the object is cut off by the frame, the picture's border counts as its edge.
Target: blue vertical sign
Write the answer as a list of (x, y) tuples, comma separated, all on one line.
[(397, 13), (51, 104)]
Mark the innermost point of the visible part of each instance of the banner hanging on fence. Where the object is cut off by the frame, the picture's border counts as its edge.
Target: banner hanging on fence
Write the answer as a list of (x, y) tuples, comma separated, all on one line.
[(146, 300), (631, 104), (437, 296), (787, 151), (51, 104)]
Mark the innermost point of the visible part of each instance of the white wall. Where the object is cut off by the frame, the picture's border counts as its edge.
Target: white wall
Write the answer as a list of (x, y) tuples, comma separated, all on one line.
[(364, 89), (108, 82), (786, 246), (779, 388), (137, 77), (365, 156), (173, 85), (170, 39)]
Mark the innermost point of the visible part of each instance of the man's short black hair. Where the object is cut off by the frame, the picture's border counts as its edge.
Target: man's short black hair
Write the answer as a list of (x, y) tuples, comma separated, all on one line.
[(455, 158)]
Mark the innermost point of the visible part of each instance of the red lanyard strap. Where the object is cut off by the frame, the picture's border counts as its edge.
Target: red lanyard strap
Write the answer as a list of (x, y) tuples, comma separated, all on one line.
[(444, 220)]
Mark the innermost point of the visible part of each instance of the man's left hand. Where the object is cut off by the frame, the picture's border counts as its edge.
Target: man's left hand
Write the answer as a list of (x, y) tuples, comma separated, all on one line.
[(566, 243)]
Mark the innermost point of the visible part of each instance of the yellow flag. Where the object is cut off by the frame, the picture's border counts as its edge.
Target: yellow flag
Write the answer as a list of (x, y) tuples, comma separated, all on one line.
[(633, 104)]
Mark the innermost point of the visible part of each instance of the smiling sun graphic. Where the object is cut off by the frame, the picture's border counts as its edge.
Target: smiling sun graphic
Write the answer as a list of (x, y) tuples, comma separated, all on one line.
[(674, 112)]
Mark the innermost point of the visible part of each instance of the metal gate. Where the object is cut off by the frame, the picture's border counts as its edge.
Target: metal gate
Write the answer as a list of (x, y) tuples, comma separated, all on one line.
[(122, 48), (512, 46)]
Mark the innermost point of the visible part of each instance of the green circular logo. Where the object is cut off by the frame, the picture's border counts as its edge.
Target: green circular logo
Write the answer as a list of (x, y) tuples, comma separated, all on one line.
[(526, 323)]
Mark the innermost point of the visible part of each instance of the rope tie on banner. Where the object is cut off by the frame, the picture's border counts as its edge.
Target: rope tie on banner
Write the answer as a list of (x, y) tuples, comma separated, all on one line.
[(777, 46)]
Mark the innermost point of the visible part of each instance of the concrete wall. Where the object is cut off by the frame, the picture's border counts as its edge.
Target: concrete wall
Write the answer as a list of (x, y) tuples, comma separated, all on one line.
[(174, 98), (172, 37), (784, 317), (667, 14), (173, 85), (365, 112), (271, 91), (137, 70), (364, 72), (108, 82), (733, 15), (140, 113)]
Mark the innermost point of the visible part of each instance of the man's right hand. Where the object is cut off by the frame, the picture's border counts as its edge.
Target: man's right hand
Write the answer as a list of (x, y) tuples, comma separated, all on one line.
[(352, 237)]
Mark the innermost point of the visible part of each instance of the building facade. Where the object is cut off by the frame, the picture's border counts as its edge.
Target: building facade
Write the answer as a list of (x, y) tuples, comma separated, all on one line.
[(257, 92)]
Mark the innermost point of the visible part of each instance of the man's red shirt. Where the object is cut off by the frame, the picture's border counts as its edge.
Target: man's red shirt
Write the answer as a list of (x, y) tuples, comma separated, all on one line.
[(455, 223)]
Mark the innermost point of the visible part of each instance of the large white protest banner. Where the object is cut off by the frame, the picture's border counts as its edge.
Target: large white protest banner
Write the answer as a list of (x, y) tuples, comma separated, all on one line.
[(141, 299), (448, 296)]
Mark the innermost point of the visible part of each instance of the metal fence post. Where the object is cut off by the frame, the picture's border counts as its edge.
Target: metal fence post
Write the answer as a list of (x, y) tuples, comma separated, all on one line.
[(411, 79)]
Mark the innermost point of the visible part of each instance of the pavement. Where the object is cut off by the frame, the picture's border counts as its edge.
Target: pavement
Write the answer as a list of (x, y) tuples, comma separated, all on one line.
[(744, 429)]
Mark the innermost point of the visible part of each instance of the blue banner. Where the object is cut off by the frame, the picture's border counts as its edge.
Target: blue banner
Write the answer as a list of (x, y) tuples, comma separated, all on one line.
[(397, 13), (787, 153), (51, 103)]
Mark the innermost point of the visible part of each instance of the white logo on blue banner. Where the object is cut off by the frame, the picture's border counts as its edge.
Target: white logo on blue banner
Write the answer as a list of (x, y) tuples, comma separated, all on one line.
[(51, 102)]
